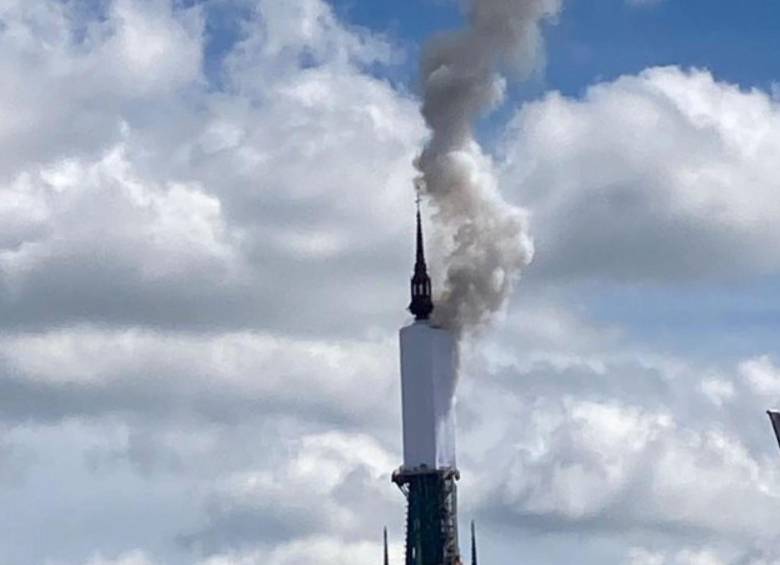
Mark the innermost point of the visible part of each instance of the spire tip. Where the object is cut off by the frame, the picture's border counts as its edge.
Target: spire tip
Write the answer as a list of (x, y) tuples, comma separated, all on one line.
[(473, 544), (387, 554)]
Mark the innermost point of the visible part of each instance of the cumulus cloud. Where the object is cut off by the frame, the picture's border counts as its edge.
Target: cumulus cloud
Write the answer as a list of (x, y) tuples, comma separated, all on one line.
[(99, 67), (337, 479), (201, 275), (688, 192), (132, 558), (190, 204), (626, 451), (98, 233), (160, 235), (687, 557), (93, 373), (300, 552)]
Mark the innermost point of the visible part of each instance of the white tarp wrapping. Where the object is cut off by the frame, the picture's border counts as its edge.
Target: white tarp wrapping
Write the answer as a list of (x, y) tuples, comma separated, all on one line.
[(428, 378)]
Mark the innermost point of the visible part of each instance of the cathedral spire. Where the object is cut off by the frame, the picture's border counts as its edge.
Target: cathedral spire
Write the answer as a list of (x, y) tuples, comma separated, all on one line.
[(420, 260), (473, 544), (387, 554), (422, 304)]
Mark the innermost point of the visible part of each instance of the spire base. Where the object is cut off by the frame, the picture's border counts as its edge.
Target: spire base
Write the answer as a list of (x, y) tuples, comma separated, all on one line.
[(431, 516)]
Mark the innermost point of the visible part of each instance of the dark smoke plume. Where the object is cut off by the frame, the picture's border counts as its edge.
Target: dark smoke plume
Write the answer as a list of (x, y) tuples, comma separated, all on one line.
[(462, 81)]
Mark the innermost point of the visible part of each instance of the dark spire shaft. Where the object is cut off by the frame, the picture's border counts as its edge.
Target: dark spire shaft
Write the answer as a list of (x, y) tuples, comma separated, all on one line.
[(387, 554), (422, 304), (420, 262), (473, 544)]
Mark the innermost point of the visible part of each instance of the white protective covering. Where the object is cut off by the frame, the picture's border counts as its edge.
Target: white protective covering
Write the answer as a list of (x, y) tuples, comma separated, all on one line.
[(428, 378)]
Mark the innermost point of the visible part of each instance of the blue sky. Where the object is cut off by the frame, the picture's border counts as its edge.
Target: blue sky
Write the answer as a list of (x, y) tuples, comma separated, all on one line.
[(600, 40), (206, 229)]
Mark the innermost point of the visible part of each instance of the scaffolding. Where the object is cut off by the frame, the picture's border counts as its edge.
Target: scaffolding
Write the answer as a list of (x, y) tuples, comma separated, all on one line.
[(431, 516)]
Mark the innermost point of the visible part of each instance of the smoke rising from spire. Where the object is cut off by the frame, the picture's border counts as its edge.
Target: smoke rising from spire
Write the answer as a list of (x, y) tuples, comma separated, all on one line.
[(462, 81)]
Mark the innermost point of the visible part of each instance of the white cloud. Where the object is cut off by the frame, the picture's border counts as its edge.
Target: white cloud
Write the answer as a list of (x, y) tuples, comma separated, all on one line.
[(663, 176), (95, 68), (150, 48), (92, 373), (327, 552), (200, 285), (331, 483), (162, 230), (697, 556), (625, 449), (718, 391), (640, 556), (132, 558), (189, 204), (762, 375), (685, 557), (147, 205)]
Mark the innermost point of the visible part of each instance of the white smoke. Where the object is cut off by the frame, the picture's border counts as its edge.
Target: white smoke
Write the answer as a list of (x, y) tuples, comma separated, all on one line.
[(462, 81)]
